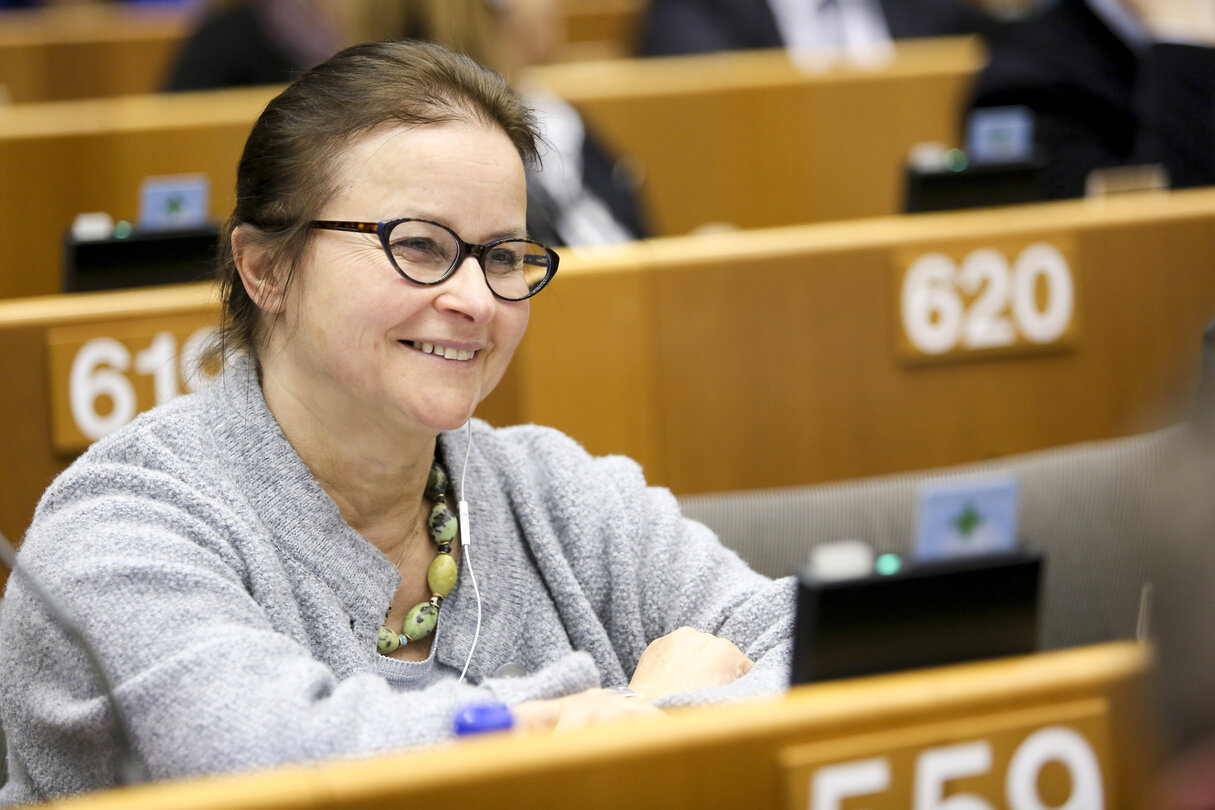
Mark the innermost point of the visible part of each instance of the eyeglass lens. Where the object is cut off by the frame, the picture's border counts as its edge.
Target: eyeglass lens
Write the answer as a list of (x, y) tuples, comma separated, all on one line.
[(425, 252)]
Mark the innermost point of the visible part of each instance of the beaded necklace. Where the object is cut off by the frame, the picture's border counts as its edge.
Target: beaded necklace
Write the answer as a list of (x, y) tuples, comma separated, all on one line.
[(441, 576)]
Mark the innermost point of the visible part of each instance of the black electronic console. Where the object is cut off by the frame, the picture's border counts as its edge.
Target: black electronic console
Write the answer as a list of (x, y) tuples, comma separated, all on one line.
[(927, 614), (139, 259), (975, 186)]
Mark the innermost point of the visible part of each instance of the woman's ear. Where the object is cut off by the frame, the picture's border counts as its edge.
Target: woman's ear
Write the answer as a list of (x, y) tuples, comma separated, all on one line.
[(263, 284)]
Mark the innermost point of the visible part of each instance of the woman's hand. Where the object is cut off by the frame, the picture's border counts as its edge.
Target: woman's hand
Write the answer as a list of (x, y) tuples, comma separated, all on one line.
[(577, 710), (686, 660)]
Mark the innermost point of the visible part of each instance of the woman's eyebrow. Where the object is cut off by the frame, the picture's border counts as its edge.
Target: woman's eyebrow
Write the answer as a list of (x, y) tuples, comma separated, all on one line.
[(520, 232), (508, 233)]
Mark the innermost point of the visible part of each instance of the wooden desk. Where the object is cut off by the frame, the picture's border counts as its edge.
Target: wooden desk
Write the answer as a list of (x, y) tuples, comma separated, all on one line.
[(753, 359), (750, 139), (28, 330), (1049, 725), (87, 50), (60, 159), (741, 138), (600, 29), (780, 357)]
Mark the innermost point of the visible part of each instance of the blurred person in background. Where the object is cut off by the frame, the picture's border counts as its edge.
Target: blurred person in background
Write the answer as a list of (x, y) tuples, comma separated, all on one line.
[(673, 27), (1106, 83), (254, 42), (580, 193)]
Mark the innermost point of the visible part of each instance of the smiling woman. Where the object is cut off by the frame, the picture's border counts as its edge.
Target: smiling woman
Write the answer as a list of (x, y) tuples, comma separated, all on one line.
[(273, 569)]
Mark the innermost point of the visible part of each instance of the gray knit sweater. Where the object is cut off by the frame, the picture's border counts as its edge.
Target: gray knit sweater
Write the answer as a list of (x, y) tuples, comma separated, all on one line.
[(237, 613)]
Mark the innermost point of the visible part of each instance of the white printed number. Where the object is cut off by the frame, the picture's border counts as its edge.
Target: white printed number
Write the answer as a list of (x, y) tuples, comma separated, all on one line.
[(935, 767), (1004, 305), (100, 373)]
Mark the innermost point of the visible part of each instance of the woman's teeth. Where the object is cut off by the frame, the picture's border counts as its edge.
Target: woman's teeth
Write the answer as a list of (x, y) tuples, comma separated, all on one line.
[(445, 352)]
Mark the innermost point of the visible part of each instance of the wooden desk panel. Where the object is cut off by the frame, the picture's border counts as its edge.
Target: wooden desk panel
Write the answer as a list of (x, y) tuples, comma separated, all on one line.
[(774, 360), (749, 139), (602, 29), (758, 755), (89, 50), (26, 443)]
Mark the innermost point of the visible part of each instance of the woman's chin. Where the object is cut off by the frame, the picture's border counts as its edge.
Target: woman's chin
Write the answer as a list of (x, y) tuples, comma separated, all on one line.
[(446, 418)]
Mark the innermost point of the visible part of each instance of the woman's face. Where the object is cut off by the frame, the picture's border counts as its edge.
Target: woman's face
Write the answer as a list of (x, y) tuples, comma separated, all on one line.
[(348, 341)]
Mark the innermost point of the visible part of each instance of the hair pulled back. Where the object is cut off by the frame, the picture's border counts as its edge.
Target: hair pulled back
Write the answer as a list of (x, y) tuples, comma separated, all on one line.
[(287, 169)]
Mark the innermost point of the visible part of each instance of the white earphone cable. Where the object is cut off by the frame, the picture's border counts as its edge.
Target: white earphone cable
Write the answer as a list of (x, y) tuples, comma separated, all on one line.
[(465, 533)]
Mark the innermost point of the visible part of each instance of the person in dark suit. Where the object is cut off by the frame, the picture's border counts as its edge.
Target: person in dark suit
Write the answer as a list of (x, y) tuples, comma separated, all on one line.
[(255, 42), (674, 27), (1107, 84)]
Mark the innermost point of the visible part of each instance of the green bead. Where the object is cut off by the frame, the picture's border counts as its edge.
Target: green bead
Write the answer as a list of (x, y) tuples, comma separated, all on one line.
[(436, 482), (442, 524), (387, 641), (441, 576), (420, 621)]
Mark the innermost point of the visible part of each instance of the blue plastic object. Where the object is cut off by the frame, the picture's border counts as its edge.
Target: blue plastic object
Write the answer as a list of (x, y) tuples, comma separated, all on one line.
[(484, 717)]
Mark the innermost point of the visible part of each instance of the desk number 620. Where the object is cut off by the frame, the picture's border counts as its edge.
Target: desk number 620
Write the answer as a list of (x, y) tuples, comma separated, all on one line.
[(937, 318)]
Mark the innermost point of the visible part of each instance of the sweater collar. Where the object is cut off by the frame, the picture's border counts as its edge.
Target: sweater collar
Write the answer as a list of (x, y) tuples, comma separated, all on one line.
[(292, 507)]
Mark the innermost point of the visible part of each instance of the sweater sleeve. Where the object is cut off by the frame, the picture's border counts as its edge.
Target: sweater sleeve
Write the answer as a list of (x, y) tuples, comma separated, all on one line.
[(647, 570), (195, 647), (692, 579)]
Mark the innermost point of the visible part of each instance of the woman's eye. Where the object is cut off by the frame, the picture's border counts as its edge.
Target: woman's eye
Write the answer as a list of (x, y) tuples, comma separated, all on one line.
[(503, 260), (416, 247)]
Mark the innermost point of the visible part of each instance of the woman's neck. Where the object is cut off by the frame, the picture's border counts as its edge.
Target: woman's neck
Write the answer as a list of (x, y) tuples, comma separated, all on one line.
[(376, 477)]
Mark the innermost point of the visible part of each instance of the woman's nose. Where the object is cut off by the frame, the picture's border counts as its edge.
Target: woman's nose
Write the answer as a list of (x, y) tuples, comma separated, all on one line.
[(467, 291)]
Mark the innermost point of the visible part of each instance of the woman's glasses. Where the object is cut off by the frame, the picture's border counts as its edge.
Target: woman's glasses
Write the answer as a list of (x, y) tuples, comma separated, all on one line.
[(428, 253)]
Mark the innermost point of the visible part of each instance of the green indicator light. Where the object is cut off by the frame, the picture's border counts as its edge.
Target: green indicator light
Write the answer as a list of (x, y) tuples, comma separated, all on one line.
[(122, 229), (887, 564), (956, 160)]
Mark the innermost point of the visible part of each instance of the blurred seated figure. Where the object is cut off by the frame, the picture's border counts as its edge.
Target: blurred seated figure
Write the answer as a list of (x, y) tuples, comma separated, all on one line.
[(673, 27), (1106, 83), (580, 193), (253, 42)]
